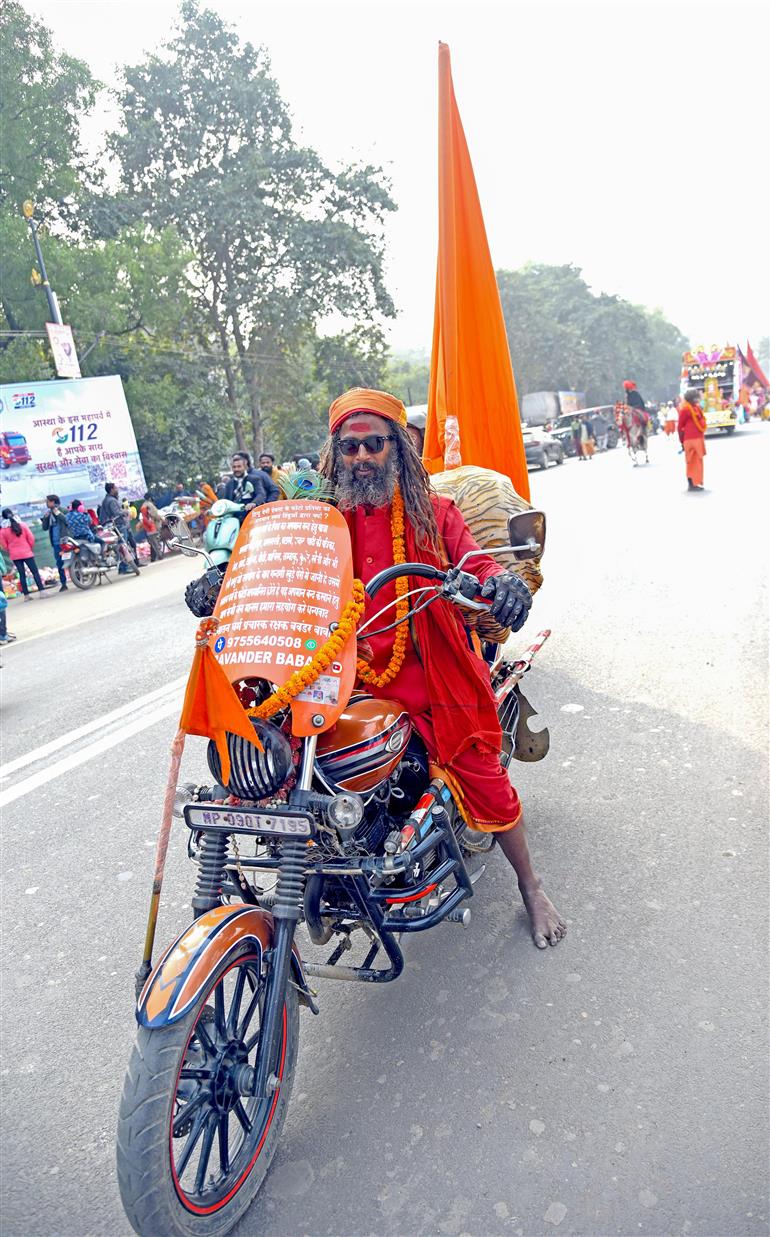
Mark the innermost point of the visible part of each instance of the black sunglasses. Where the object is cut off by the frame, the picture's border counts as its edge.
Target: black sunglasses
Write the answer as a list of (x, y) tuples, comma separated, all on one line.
[(372, 444)]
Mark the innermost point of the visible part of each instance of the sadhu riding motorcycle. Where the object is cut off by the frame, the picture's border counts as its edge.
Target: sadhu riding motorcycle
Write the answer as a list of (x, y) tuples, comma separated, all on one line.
[(324, 808)]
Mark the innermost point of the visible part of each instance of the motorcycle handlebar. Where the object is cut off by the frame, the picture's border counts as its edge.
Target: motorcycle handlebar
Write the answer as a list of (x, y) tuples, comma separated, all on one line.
[(460, 587), (424, 570)]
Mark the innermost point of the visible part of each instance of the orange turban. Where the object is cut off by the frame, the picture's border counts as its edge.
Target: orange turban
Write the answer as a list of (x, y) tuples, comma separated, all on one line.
[(361, 399)]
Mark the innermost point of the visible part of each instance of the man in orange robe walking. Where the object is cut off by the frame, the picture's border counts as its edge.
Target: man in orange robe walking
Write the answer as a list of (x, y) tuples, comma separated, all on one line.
[(692, 435)]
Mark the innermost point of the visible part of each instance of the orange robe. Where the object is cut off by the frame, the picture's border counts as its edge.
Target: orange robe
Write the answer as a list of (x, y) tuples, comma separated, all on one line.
[(472, 758), (692, 427)]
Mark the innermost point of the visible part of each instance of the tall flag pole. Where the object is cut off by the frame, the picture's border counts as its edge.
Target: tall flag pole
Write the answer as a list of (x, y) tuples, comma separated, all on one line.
[(473, 412)]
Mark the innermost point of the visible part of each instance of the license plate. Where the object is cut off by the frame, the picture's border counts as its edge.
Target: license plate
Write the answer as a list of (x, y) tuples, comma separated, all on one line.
[(249, 820)]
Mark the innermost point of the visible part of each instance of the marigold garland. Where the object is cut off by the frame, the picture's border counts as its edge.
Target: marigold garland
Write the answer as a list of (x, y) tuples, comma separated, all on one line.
[(365, 672), (328, 653)]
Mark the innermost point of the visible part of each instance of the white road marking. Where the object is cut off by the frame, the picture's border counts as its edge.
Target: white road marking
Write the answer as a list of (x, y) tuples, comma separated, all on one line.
[(98, 723), (97, 748)]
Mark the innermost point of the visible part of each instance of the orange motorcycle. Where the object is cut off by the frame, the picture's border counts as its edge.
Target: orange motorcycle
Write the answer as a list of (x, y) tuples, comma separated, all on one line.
[(333, 818)]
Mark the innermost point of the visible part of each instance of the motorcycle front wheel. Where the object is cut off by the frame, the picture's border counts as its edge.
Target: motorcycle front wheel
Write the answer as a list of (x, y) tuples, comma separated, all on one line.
[(192, 1150)]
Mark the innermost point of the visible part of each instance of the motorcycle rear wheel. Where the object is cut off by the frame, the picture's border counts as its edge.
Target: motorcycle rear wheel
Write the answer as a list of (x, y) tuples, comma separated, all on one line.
[(181, 1175), (80, 578)]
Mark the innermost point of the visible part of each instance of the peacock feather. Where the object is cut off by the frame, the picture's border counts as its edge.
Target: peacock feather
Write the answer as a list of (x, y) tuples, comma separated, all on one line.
[(306, 483)]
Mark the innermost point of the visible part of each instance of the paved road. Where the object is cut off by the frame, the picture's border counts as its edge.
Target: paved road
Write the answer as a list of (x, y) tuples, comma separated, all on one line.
[(614, 1085)]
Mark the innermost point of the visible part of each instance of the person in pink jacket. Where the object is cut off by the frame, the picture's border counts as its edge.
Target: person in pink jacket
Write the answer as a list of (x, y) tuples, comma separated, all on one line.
[(18, 542)]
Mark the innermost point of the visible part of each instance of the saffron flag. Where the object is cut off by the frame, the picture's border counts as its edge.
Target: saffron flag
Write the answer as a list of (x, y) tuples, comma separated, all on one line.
[(473, 411), (211, 707), (755, 367)]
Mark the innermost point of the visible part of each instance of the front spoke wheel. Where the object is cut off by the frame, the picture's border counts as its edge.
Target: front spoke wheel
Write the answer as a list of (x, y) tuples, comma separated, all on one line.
[(217, 1140)]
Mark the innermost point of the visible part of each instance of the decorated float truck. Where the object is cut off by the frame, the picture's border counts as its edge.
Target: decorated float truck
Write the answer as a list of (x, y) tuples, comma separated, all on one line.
[(717, 374)]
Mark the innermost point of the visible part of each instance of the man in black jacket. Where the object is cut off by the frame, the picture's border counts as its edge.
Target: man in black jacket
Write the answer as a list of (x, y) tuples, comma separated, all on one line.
[(112, 510), (55, 523), (250, 486), (633, 397)]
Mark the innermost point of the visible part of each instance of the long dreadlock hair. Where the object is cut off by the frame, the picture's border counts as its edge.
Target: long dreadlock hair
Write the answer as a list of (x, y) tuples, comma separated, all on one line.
[(413, 481)]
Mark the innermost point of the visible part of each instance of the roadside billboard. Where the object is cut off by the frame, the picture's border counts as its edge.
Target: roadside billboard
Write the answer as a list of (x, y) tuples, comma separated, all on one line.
[(571, 401), (66, 438)]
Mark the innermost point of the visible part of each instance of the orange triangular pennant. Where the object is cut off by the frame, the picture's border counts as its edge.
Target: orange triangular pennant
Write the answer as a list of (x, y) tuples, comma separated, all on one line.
[(211, 706)]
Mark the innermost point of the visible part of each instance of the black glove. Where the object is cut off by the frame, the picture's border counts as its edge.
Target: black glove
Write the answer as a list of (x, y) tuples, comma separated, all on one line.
[(511, 599), (201, 597)]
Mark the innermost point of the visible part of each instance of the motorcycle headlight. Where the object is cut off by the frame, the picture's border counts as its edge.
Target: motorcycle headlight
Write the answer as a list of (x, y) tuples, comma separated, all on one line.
[(254, 774), (345, 811)]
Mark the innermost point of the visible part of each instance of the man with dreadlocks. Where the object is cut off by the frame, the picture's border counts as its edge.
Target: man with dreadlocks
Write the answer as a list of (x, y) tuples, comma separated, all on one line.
[(393, 515)]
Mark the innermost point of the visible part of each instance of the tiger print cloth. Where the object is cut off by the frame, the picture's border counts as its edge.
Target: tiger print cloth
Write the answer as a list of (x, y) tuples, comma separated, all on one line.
[(486, 500)]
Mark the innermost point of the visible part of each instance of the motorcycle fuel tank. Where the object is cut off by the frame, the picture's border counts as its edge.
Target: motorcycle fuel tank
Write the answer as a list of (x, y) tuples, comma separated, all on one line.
[(365, 746)]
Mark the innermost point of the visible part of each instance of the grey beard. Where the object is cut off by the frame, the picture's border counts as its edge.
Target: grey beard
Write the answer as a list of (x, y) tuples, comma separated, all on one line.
[(352, 491)]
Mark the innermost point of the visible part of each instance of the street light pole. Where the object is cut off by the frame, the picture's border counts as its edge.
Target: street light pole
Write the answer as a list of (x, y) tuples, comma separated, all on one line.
[(53, 304)]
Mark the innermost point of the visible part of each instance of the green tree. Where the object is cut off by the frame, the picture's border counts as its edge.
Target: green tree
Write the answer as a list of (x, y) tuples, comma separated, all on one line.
[(664, 361), (280, 241), (408, 377), (130, 299), (43, 94), (128, 295), (564, 337), (303, 382), (179, 413)]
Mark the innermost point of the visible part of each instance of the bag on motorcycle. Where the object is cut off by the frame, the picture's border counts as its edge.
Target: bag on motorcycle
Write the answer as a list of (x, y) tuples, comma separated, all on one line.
[(487, 499)]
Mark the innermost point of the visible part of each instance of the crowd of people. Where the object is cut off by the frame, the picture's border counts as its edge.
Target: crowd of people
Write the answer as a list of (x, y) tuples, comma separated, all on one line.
[(17, 540), (252, 486), (132, 521)]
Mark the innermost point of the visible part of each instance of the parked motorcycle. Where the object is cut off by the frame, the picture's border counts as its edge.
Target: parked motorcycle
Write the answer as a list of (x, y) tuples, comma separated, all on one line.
[(88, 565), (337, 822)]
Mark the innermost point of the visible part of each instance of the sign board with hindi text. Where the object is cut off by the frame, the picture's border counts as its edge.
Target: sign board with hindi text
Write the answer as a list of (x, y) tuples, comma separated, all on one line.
[(66, 438), (287, 583)]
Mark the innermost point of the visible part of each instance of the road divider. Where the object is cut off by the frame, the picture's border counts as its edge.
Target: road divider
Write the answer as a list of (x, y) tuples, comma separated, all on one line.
[(151, 708)]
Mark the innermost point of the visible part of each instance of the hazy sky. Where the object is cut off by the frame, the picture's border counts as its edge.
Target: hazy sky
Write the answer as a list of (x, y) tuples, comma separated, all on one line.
[(630, 139)]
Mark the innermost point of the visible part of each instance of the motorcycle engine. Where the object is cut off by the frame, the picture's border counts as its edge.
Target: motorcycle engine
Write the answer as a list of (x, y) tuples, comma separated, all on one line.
[(410, 778)]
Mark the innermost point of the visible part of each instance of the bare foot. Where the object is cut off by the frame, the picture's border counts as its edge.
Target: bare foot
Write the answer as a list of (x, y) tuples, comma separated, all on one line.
[(546, 923)]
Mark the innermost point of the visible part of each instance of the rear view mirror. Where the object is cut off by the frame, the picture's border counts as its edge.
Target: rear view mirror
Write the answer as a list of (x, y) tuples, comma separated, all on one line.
[(526, 533), (178, 527)]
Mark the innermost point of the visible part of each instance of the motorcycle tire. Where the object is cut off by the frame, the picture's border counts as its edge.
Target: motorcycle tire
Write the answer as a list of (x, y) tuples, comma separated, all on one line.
[(201, 597), (80, 578), (163, 1187)]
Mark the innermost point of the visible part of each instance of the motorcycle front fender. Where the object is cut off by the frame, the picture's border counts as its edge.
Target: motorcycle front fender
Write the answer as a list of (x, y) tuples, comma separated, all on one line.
[(188, 964)]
